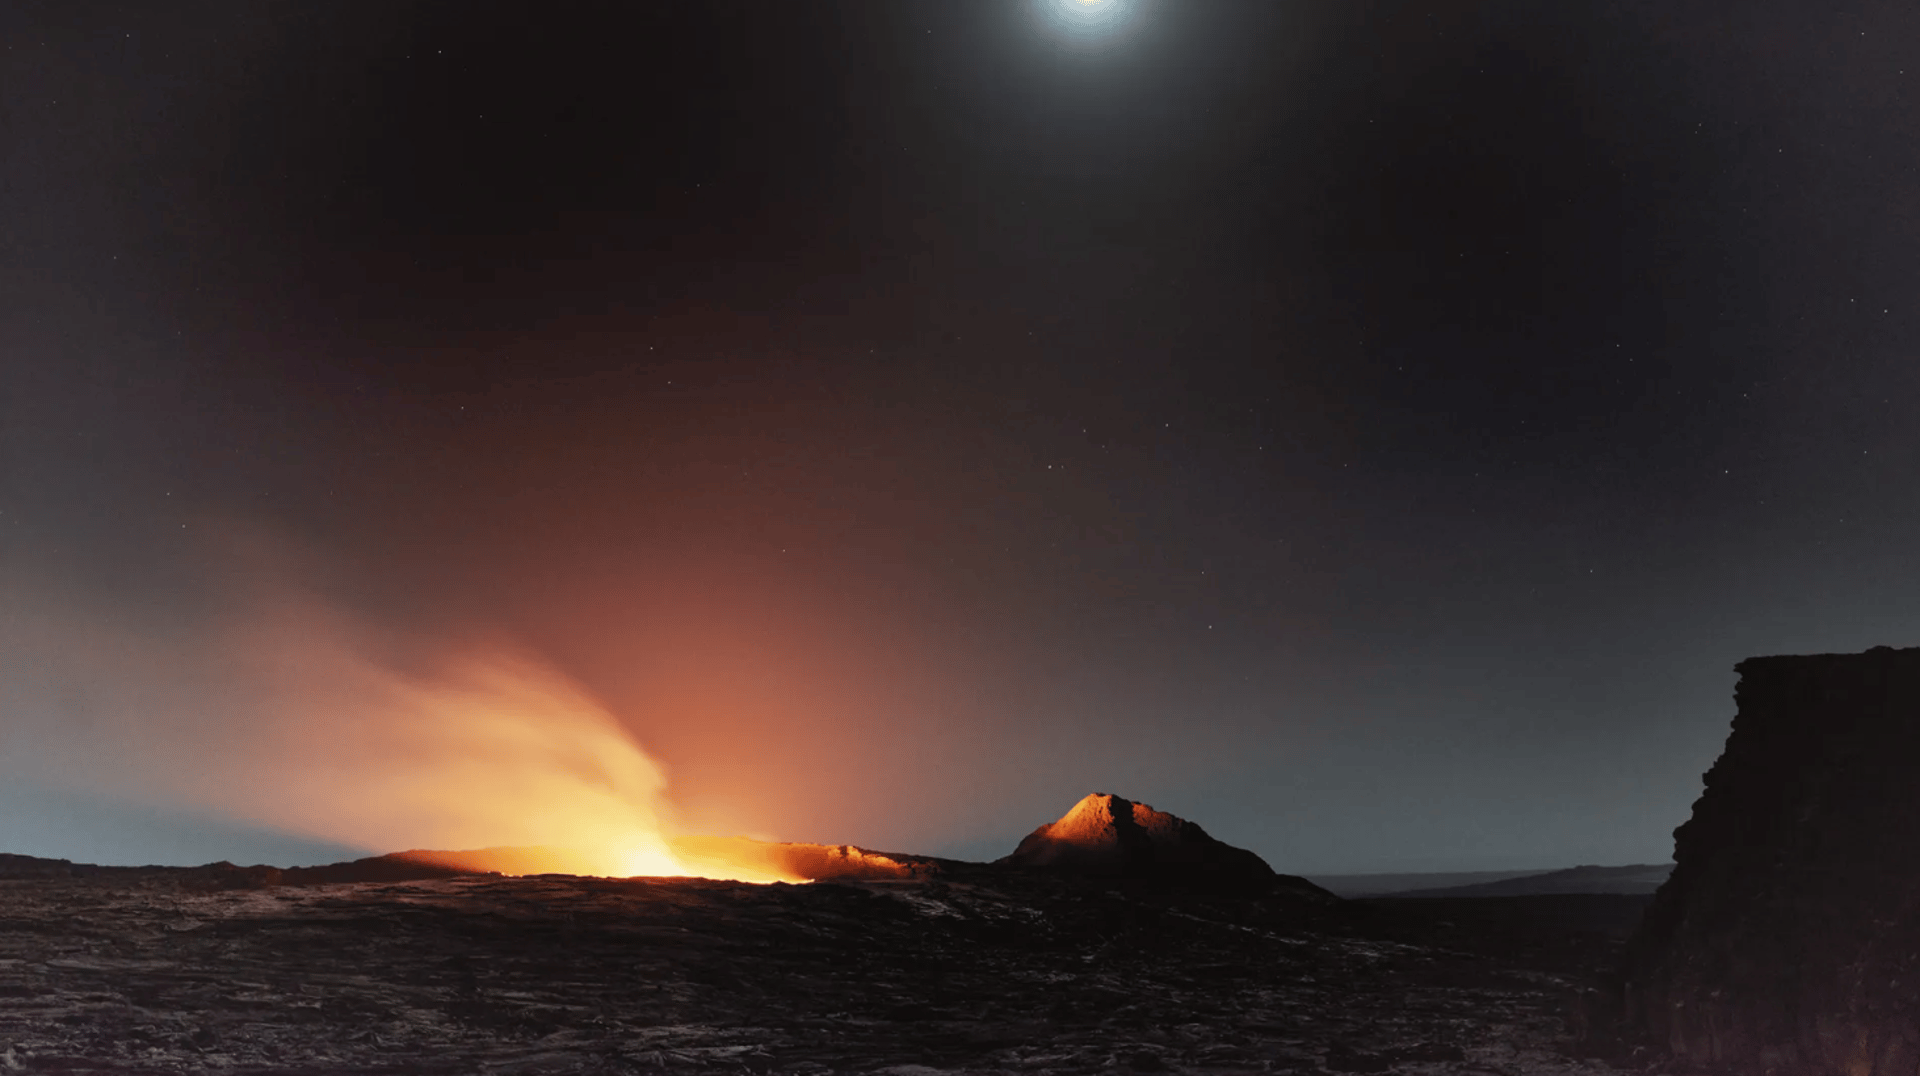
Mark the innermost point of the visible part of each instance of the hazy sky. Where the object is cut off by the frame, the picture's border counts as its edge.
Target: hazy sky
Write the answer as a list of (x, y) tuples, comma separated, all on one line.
[(1370, 430)]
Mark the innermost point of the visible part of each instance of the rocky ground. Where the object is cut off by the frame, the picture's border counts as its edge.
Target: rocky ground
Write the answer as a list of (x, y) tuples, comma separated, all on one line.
[(165, 972)]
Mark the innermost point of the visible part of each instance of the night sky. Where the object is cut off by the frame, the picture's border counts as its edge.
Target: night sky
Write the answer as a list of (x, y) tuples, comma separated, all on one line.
[(1370, 430)]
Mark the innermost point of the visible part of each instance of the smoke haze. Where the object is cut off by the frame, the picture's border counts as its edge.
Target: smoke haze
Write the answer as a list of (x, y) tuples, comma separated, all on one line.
[(278, 708)]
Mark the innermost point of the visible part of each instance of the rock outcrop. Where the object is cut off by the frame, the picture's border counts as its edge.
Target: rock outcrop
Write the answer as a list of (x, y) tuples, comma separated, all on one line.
[(1107, 836), (418, 865), (1788, 938), (17, 866), (809, 862)]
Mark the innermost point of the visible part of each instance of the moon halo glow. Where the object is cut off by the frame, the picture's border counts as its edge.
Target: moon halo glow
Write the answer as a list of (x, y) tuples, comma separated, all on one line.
[(1091, 25)]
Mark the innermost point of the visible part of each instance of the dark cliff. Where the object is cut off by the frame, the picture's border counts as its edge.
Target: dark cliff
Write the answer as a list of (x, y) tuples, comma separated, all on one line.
[(1788, 938)]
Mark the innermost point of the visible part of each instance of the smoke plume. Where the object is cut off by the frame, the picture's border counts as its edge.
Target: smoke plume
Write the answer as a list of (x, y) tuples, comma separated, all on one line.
[(273, 705)]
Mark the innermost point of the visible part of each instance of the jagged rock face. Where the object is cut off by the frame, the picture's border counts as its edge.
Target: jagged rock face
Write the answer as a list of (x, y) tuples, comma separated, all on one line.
[(1106, 835), (1788, 938)]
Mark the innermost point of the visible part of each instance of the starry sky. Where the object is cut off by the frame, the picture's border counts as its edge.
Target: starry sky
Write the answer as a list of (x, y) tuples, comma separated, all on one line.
[(1371, 430)]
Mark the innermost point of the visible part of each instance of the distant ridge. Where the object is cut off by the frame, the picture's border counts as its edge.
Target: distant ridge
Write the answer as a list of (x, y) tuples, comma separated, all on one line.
[(1636, 879), (1393, 883), (220, 875)]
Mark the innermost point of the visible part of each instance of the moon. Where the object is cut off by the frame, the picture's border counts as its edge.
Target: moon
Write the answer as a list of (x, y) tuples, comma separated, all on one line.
[(1088, 24)]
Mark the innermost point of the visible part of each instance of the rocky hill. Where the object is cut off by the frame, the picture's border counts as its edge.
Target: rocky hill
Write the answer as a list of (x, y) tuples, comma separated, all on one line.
[(1105, 835)]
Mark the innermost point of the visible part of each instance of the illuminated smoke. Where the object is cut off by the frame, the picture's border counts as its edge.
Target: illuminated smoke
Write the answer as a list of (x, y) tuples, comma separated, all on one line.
[(286, 711)]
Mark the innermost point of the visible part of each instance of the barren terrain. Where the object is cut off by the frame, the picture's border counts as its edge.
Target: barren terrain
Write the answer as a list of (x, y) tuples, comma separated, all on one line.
[(165, 971)]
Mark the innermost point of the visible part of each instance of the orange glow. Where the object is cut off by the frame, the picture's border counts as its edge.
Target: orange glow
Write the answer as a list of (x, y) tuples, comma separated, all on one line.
[(303, 718), (741, 866), (485, 750), (742, 857), (787, 708)]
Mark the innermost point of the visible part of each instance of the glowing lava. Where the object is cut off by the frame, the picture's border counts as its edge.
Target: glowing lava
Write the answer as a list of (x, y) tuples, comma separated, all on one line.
[(708, 858), (489, 750)]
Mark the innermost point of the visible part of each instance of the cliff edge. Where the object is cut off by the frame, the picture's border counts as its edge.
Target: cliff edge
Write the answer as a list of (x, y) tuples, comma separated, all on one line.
[(1788, 937)]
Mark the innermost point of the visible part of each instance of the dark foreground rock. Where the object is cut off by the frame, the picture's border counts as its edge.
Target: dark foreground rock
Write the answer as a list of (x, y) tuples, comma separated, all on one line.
[(1788, 938), (982, 971)]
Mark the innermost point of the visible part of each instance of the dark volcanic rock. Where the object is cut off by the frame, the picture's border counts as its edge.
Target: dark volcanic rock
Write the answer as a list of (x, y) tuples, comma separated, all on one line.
[(910, 966), (1788, 938), (1107, 836), (416, 963), (16, 866), (221, 875), (412, 866), (1003, 971)]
